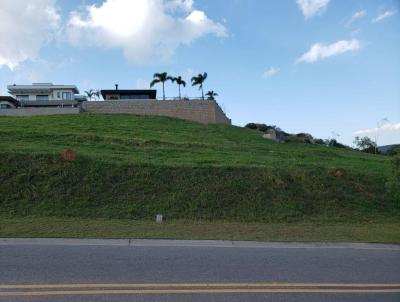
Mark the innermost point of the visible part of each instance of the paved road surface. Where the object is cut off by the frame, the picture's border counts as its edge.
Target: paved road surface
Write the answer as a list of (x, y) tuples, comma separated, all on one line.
[(155, 270)]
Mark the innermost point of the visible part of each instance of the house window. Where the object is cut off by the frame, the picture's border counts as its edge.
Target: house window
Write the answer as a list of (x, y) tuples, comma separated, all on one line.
[(22, 97), (42, 98), (58, 95), (113, 97), (4, 106), (67, 96)]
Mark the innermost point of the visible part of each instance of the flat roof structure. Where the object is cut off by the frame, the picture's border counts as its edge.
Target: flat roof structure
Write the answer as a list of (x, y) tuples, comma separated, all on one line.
[(129, 94), (39, 88)]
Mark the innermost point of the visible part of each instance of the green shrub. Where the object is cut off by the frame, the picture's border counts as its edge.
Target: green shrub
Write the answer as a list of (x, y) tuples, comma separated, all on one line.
[(334, 143), (394, 151), (393, 184), (251, 126), (263, 127)]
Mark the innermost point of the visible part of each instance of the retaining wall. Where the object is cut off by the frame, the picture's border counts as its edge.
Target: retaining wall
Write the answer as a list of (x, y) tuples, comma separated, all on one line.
[(207, 112), (38, 111)]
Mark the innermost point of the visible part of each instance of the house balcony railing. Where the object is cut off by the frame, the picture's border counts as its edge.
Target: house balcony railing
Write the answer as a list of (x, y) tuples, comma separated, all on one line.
[(182, 99)]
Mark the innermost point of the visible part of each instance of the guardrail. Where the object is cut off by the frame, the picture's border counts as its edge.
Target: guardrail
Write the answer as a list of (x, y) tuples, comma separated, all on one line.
[(182, 99)]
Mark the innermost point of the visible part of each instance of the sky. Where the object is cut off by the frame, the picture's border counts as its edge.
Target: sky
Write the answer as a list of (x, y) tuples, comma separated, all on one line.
[(326, 67)]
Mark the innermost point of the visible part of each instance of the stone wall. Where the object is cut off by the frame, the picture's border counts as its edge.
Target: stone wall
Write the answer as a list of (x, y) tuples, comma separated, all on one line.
[(207, 112), (38, 111), (220, 117)]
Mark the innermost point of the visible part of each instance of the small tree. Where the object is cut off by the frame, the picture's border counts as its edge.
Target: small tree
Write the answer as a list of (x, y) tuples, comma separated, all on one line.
[(90, 94), (365, 144), (180, 82), (199, 80), (211, 95), (161, 78), (97, 94)]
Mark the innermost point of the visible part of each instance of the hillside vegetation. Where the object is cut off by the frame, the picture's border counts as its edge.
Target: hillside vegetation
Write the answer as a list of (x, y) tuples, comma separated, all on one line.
[(134, 167)]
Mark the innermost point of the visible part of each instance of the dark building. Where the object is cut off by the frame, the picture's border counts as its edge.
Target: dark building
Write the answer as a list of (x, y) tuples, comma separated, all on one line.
[(128, 94)]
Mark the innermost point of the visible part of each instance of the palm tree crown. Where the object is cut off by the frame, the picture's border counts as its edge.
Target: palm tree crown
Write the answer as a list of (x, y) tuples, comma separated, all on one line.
[(199, 80), (211, 95), (90, 94), (97, 94), (161, 78), (180, 82)]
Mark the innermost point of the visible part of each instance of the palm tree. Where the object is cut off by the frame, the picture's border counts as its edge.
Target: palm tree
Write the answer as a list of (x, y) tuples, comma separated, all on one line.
[(211, 95), (180, 82), (97, 94), (161, 78), (199, 80), (90, 94)]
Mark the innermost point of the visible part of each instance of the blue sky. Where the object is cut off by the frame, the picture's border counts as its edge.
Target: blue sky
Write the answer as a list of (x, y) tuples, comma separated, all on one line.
[(316, 66)]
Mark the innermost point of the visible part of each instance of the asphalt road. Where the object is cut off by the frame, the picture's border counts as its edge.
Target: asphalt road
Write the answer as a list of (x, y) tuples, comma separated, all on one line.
[(140, 270)]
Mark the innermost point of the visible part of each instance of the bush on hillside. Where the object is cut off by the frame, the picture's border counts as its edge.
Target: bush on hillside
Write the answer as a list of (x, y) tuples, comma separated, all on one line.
[(394, 151), (393, 184), (319, 141), (301, 137), (261, 127), (334, 143), (251, 126)]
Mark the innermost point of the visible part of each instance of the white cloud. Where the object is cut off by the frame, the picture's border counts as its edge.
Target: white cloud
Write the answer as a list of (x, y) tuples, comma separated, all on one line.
[(384, 128), (270, 72), (358, 15), (143, 29), (320, 51), (311, 8), (185, 5), (383, 15), (25, 26)]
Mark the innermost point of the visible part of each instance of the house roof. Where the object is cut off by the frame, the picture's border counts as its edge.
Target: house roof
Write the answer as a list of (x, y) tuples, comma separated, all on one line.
[(150, 92), (39, 88), (10, 99)]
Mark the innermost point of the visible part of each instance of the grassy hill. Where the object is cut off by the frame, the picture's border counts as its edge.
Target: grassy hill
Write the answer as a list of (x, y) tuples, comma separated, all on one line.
[(135, 166)]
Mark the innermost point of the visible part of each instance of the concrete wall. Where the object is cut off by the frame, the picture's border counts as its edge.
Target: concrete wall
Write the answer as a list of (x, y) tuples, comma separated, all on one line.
[(207, 112), (38, 111), (220, 117)]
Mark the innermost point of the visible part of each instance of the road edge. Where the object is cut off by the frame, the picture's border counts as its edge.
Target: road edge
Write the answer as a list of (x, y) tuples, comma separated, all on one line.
[(196, 243)]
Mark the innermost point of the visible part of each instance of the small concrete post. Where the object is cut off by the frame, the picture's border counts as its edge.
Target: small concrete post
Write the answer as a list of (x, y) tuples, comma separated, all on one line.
[(159, 218)]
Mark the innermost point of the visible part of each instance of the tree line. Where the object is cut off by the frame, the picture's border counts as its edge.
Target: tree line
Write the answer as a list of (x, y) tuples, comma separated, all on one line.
[(198, 80), (162, 78)]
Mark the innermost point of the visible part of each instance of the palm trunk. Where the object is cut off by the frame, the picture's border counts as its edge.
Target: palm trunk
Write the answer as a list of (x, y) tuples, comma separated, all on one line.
[(163, 91), (202, 93), (179, 85)]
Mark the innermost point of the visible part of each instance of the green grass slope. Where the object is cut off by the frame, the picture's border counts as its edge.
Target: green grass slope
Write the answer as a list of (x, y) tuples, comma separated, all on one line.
[(135, 166)]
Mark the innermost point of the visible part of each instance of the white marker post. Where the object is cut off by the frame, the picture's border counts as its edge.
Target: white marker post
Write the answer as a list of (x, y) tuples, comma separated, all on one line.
[(159, 218)]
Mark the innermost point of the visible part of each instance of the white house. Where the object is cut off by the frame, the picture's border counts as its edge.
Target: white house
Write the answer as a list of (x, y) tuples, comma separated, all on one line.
[(7, 102), (44, 94)]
